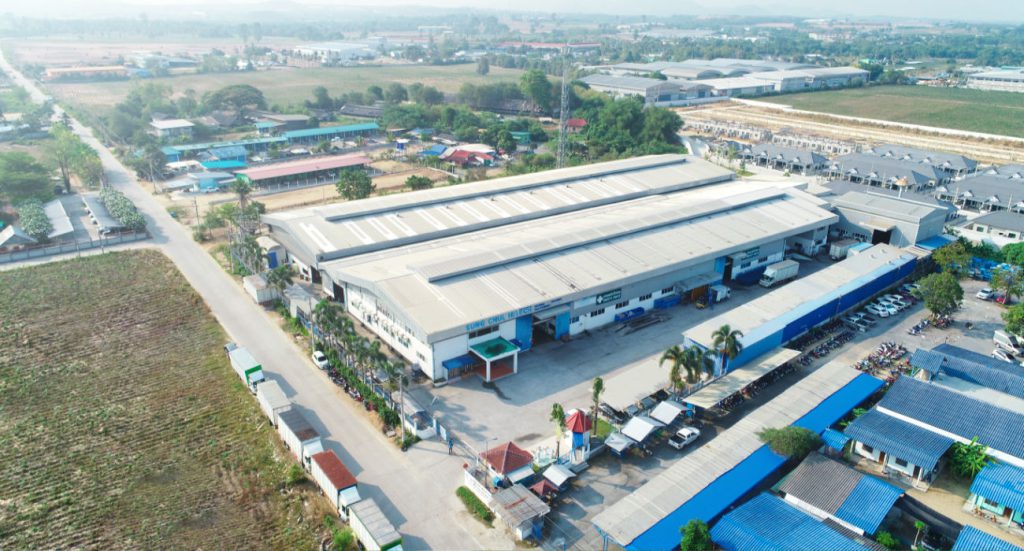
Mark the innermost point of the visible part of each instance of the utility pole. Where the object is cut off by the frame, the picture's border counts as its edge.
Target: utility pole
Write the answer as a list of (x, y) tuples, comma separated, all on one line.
[(563, 114)]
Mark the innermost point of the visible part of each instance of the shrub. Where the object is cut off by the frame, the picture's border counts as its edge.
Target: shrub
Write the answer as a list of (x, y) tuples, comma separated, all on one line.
[(294, 475), (794, 442), (887, 540), (122, 209), (696, 536), (474, 505), (34, 221)]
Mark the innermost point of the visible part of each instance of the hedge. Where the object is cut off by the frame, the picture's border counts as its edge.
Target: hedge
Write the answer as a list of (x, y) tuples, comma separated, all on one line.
[(32, 218), (474, 504), (122, 209)]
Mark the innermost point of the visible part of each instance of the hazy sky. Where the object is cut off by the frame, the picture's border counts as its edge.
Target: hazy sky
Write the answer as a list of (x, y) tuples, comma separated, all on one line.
[(975, 10)]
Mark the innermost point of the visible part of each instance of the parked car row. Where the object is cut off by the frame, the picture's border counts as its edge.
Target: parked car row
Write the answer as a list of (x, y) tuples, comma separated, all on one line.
[(990, 294)]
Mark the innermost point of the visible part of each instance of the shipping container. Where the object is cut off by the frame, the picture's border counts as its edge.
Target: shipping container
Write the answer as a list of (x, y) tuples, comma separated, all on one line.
[(372, 528), (299, 436), (335, 480), (839, 249), (246, 367), (272, 400)]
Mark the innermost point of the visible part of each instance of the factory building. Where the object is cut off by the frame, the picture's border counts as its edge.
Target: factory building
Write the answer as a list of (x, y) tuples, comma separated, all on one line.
[(872, 218), (1008, 80), (651, 90), (470, 276)]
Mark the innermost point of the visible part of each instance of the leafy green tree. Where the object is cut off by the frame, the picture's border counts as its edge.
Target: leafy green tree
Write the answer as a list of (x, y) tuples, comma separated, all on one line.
[(395, 93), (321, 99), (969, 459), (940, 292), (431, 96), (62, 148), (1009, 282), (726, 342), (660, 126), (1014, 254), (887, 540), (21, 177), (595, 396), (32, 218), (354, 184), (236, 97), (280, 277), (1014, 318), (920, 527), (506, 142), (790, 441), (953, 258), (695, 536), (536, 86), (483, 66), (375, 93), (416, 182), (558, 418)]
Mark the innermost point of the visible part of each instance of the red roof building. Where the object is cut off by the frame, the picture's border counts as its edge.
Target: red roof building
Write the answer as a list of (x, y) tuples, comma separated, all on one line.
[(334, 470), (578, 422), (506, 458), (575, 125), (305, 169)]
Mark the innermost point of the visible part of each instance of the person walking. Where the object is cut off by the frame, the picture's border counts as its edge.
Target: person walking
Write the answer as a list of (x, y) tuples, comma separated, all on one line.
[(451, 444)]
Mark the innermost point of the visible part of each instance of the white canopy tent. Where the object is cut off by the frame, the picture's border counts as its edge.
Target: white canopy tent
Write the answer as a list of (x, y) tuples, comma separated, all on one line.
[(667, 411), (558, 474), (640, 427)]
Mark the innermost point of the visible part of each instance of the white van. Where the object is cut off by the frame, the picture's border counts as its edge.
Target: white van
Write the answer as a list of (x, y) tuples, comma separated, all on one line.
[(1007, 342)]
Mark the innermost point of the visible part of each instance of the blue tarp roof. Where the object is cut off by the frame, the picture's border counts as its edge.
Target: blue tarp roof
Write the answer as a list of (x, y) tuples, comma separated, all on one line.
[(466, 360), (972, 539), (767, 523), (330, 130), (747, 474), (957, 413), (230, 151), (835, 439), (434, 151), (169, 150), (1001, 483), (899, 438), (936, 242), (211, 145)]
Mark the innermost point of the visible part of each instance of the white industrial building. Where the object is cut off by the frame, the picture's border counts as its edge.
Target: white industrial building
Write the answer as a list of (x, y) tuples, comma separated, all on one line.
[(653, 91), (459, 277), (1006, 80), (335, 52)]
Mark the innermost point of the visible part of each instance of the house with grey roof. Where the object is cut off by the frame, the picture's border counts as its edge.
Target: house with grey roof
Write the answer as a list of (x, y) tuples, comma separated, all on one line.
[(885, 172), (984, 193), (1012, 171), (782, 157), (998, 228), (13, 238), (949, 163)]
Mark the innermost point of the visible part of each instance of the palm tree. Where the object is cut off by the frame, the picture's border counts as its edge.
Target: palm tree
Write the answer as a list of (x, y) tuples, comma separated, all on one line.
[(595, 395), (675, 355), (396, 380), (558, 417), (697, 361), (280, 277), (243, 190), (726, 341)]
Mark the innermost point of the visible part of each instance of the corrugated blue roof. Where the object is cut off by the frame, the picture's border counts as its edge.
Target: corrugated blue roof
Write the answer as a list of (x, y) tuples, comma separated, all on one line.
[(899, 438), (329, 130), (767, 523), (964, 364), (731, 486), (1001, 483), (935, 242), (979, 359), (957, 413), (927, 360), (972, 539), (868, 503), (223, 165), (230, 151), (835, 439), (169, 150)]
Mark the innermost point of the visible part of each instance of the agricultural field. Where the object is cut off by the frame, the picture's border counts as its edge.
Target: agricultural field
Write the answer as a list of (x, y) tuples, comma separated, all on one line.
[(122, 425), (287, 86), (957, 108)]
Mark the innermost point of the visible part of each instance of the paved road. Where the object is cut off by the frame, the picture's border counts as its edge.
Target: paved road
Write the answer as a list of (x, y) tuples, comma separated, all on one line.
[(415, 489)]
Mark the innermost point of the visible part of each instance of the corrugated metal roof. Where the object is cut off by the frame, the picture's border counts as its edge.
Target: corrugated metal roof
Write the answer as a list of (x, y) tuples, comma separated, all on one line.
[(298, 425), (487, 274), (972, 539), (293, 168), (821, 482), (378, 525), (869, 503), (962, 364), (835, 439), (934, 158), (104, 221), (663, 495), (889, 207), (330, 130), (1001, 483), (519, 504), (733, 382), (771, 312), (957, 413), (59, 219), (899, 438), (767, 523), (336, 471)]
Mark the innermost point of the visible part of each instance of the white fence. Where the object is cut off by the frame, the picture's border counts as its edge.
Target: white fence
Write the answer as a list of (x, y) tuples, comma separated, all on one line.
[(76, 246)]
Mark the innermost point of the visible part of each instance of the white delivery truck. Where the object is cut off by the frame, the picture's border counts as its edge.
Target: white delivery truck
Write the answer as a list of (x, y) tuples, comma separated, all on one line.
[(839, 249), (335, 480), (779, 272), (299, 436), (372, 528), (272, 400), (719, 293), (1007, 342), (246, 367)]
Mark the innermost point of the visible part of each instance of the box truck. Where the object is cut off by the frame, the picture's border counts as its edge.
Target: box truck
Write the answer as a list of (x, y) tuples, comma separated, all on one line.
[(299, 436), (779, 272), (246, 367), (372, 528), (839, 249), (272, 400), (719, 293), (335, 480)]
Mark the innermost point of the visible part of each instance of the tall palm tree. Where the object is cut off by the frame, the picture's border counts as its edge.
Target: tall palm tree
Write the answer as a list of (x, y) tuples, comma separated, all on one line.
[(396, 380), (726, 341), (675, 355), (697, 361), (558, 417), (595, 395)]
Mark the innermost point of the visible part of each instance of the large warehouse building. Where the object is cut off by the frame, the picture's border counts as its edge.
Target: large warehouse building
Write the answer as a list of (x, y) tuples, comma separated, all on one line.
[(472, 275)]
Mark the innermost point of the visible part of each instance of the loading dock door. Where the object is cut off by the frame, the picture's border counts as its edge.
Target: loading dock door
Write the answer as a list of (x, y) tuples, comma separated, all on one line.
[(879, 236)]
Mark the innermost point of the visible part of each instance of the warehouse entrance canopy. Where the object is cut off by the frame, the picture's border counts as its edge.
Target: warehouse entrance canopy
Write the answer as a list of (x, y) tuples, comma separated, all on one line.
[(713, 394), (494, 350)]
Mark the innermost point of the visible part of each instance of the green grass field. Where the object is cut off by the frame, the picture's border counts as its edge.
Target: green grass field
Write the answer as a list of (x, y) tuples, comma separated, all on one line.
[(122, 425), (288, 86), (957, 108)]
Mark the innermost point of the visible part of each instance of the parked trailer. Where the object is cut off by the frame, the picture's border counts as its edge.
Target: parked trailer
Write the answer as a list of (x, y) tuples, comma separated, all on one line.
[(719, 293), (372, 528), (299, 436), (779, 272), (839, 249), (335, 480), (246, 367), (272, 400)]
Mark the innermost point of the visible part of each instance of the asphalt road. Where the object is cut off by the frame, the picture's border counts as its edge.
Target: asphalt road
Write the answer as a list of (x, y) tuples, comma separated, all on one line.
[(415, 489)]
